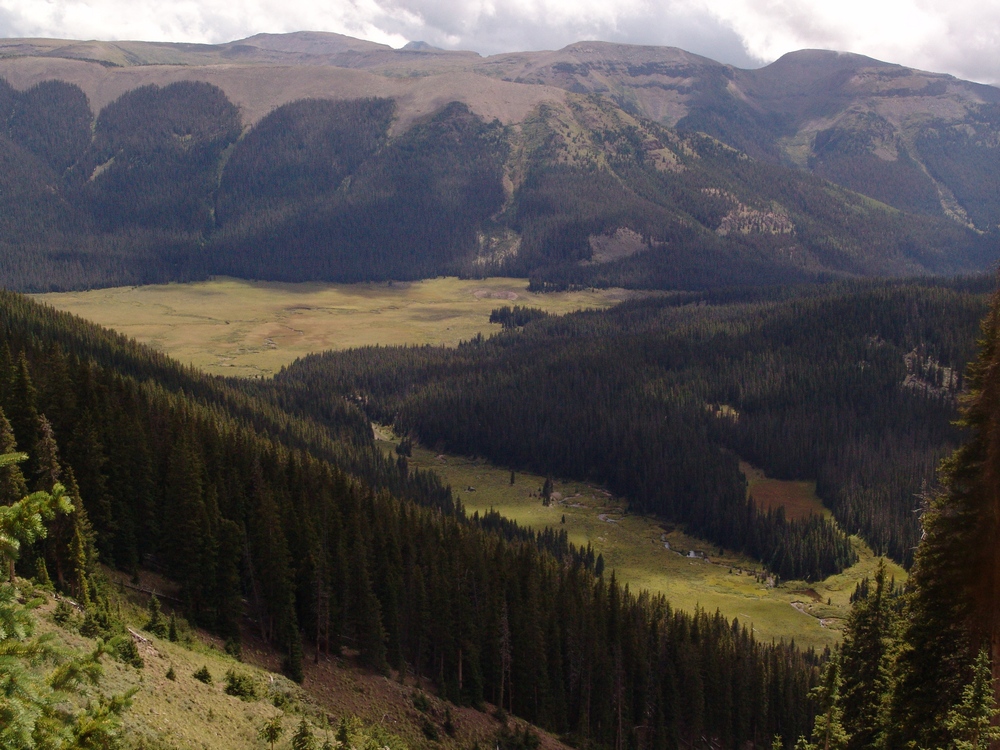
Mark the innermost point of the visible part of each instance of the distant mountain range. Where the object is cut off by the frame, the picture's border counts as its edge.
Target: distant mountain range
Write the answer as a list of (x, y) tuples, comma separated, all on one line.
[(595, 164)]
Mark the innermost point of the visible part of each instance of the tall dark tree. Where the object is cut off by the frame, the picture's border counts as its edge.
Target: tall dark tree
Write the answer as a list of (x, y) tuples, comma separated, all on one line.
[(955, 605), (867, 659), (12, 484)]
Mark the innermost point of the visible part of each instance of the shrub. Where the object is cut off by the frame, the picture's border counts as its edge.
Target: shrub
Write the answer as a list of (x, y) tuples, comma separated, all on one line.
[(420, 702), (63, 613), (125, 650), (240, 685), (203, 675)]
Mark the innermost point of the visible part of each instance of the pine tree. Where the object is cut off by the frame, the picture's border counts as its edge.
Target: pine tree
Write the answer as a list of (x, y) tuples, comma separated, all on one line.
[(956, 573), (828, 730), (970, 722), (867, 659), (78, 556), (48, 471), (31, 706), (271, 731), (303, 738), (368, 628), (23, 410), (12, 484), (156, 624)]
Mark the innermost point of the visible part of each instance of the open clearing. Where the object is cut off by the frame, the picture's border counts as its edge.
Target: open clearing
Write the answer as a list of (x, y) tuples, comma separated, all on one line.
[(797, 498), (253, 328), (647, 555)]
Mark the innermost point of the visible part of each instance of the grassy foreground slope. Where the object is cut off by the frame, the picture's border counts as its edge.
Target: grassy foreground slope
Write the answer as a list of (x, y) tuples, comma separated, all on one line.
[(171, 709)]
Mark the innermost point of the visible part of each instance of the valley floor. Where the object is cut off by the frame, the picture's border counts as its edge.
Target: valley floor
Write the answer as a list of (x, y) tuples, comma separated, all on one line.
[(253, 328), (647, 554)]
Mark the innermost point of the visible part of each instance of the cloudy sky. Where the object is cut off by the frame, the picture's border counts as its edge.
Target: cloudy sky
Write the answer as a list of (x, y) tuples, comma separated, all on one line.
[(961, 37)]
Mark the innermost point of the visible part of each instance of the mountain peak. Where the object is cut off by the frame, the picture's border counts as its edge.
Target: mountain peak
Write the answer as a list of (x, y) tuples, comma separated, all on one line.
[(310, 42)]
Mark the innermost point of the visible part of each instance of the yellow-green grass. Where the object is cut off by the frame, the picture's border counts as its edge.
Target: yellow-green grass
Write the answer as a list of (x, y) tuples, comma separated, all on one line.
[(635, 548), (251, 328), (186, 713), (797, 498), (183, 712)]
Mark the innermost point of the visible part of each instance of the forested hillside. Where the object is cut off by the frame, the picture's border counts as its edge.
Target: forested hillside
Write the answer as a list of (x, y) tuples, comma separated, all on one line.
[(917, 664), (852, 385), (186, 474), (919, 141), (171, 186)]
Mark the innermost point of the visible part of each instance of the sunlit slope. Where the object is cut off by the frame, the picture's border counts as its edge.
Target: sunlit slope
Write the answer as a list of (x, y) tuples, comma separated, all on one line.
[(234, 327), (648, 554)]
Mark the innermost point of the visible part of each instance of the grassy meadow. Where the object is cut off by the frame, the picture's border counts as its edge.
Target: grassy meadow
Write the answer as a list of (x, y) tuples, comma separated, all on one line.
[(252, 328), (646, 554)]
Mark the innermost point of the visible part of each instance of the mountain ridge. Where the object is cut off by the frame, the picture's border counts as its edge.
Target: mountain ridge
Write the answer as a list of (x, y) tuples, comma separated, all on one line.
[(525, 164), (891, 132)]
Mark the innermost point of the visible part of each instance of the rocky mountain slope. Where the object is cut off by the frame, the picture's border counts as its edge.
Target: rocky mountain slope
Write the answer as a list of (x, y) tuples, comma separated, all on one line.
[(582, 166)]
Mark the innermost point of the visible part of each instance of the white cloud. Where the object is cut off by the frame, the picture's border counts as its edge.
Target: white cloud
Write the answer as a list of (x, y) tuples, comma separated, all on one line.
[(956, 36)]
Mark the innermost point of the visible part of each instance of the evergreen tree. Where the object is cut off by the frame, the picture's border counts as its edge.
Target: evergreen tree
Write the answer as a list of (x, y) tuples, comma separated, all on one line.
[(271, 731), (828, 730), (303, 738), (48, 471), (76, 556), (956, 573), (156, 624), (367, 614), (31, 706), (12, 484), (23, 411), (867, 659), (970, 722)]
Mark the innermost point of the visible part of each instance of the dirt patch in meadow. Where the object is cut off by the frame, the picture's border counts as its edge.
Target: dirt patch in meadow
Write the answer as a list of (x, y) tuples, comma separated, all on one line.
[(798, 498)]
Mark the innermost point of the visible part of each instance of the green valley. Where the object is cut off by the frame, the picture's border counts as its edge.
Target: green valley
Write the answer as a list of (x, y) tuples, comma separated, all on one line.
[(647, 554)]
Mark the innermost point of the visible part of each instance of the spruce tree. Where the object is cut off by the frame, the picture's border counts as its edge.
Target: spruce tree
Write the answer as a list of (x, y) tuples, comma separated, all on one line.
[(970, 722), (303, 738), (156, 624), (48, 471), (956, 573), (271, 731), (12, 484), (828, 730), (77, 555), (368, 627), (23, 411), (867, 659), (32, 705)]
